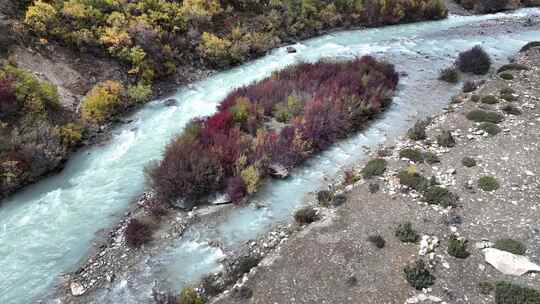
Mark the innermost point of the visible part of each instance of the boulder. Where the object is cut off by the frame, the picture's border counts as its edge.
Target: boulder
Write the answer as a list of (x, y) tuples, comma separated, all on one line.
[(77, 289), (509, 263), (171, 102), (278, 171), (221, 199), (291, 50)]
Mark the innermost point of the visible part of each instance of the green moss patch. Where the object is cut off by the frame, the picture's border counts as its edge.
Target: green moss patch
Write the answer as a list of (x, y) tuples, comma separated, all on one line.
[(412, 154), (488, 183), (374, 167), (490, 128), (484, 116), (510, 245), (489, 99)]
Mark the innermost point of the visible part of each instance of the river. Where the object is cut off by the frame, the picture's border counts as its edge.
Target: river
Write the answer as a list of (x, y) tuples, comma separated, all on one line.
[(46, 229)]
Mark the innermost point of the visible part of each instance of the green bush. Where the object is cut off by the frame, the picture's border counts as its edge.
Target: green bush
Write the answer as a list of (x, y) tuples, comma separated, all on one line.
[(190, 296), (412, 154), (406, 234), (475, 98), (457, 247), (374, 167), (377, 240), (102, 102), (418, 131), (507, 90), (306, 215), (436, 195), (468, 162), (140, 92), (252, 179), (449, 75), (510, 245), (475, 61), (445, 139), (490, 128), (413, 180), (418, 275), (506, 76), (508, 97), (488, 183), (489, 99), (484, 116), (508, 293)]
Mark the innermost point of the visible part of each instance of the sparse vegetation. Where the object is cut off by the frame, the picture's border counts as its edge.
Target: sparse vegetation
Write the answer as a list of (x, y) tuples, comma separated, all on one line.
[(468, 162), (374, 167), (486, 288), (137, 233), (508, 293), (418, 131), (418, 275), (431, 158), (489, 99), (475, 98), (190, 296), (306, 215), (484, 116), (445, 139), (413, 180), (414, 155), (510, 245), (506, 76), (377, 240), (437, 195), (325, 197), (530, 45), (488, 183), (511, 109), (449, 74), (406, 234), (457, 247), (490, 128), (475, 61), (469, 86), (373, 188)]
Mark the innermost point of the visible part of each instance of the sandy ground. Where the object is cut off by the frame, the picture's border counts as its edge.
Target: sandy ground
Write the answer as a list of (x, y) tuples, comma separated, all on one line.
[(331, 261)]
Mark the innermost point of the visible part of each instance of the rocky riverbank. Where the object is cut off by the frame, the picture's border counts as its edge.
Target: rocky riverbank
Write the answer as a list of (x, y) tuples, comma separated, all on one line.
[(332, 261)]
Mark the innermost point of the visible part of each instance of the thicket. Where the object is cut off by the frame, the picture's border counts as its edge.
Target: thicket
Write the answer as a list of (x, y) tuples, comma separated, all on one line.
[(35, 131), (152, 37), (233, 149), (493, 6), (475, 61)]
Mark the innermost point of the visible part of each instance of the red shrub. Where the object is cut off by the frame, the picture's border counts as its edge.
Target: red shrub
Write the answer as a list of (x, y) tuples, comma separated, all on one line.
[(236, 188), (137, 233), (330, 100), (188, 170)]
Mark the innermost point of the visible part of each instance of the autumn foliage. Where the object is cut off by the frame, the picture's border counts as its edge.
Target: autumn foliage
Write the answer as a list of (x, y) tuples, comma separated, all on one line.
[(233, 149)]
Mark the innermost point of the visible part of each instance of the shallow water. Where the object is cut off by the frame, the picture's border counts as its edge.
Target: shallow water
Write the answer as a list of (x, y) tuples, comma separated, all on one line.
[(47, 228)]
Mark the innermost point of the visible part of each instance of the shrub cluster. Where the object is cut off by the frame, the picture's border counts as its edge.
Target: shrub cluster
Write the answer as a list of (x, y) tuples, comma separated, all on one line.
[(489, 99), (235, 145), (488, 183), (374, 167), (306, 215), (457, 247), (418, 131), (414, 155), (475, 61), (418, 275), (449, 74), (490, 128), (484, 116), (153, 36), (405, 233), (137, 233), (36, 133), (493, 6), (110, 97), (377, 240)]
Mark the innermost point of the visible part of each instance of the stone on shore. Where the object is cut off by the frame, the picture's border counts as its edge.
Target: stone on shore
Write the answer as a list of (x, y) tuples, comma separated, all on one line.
[(509, 263)]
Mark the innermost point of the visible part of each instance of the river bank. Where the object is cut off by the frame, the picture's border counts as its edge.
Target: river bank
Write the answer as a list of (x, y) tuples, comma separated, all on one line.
[(333, 261), (518, 23)]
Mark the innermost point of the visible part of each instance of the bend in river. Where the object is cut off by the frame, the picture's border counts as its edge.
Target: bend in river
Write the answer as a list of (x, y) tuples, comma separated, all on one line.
[(47, 228)]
